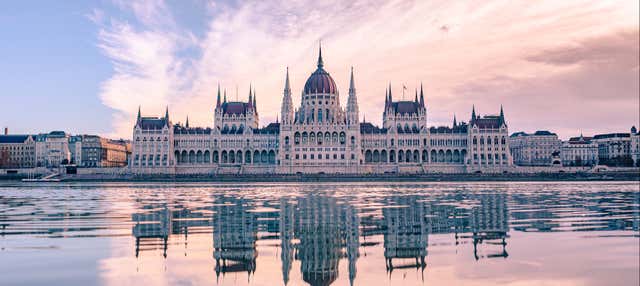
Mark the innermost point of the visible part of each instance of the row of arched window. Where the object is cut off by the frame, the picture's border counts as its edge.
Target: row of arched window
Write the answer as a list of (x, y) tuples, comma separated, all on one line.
[(226, 157), (415, 156), (503, 141), (318, 138)]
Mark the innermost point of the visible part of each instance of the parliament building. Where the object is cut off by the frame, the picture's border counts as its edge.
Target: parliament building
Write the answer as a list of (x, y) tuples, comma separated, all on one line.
[(320, 137)]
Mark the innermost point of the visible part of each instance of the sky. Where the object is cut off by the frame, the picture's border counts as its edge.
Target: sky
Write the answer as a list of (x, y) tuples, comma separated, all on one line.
[(570, 67)]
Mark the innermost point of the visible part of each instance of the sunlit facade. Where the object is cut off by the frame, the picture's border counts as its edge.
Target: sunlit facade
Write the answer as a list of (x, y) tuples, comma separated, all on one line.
[(320, 137)]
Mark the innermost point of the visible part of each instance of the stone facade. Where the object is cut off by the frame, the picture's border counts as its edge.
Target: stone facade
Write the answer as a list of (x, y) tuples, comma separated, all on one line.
[(535, 149), (52, 149), (17, 151), (319, 136), (614, 149), (95, 151), (579, 151)]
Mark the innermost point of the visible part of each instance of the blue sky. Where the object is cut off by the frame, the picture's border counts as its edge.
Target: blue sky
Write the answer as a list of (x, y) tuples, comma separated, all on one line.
[(86, 66), (51, 69)]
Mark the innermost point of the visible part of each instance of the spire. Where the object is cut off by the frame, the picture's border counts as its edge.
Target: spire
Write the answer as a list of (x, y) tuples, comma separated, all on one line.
[(187, 123), (286, 108), (455, 123), (287, 87), (421, 96), (352, 85), (473, 114), (166, 116), (139, 112), (390, 96), (255, 106), (218, 100), (352, 102), (502, 115), (225, 95), (250, 101), (416, 98), (320, 62)]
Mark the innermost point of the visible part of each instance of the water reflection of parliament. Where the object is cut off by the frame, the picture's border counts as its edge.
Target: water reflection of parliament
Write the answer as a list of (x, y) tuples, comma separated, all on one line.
[(319, 231)]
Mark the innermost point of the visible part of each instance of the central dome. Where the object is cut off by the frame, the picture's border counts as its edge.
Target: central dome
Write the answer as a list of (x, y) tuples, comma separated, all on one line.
[(320, 81)]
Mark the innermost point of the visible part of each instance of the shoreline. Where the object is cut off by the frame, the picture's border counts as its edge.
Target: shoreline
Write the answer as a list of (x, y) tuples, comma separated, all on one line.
[(515, 177)]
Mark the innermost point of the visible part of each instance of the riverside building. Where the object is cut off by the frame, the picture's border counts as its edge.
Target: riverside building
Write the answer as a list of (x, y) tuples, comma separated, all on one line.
[(320, 136)]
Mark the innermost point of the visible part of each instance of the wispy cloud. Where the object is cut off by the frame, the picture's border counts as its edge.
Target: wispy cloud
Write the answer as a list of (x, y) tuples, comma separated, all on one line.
[(485, 53)]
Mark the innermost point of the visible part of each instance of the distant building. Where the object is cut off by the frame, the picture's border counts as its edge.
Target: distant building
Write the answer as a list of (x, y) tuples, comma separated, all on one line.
[(52, 149), (17, 151), (614, 149), (95, 151), (635, 146), (535, 149), (579, 151)]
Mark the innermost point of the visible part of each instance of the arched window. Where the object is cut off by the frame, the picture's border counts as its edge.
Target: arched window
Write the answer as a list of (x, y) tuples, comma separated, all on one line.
[(503, 140), (312, 138), (327, 137), (320, 138), (296, 138), (304, 137), (342, 138), (353, 140), (320, 115), (286, 140), (334, 137)]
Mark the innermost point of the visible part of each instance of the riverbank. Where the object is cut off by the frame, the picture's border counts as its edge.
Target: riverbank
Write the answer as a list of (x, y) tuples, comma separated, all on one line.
[(580, 176)]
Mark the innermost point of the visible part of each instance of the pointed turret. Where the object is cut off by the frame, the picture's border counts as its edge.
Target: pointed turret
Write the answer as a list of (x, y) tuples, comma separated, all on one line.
[(287, 104), (225, 96), (421, 96), (218, 100), (166, 116), (502, 116), (352, 102), (473, 114), (250, 101), (455, 123), (187, 123), (255, 106), (390, 96), (416, 98), (320, 62), (139, 112)]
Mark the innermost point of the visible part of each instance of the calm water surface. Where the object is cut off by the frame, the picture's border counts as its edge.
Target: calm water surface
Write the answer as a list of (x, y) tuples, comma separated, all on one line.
[(554, 233)]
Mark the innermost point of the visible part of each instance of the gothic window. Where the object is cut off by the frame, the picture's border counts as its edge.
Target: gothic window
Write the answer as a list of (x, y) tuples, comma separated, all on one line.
[(296, 138), (304, 137), (342, 138), (353, 140)]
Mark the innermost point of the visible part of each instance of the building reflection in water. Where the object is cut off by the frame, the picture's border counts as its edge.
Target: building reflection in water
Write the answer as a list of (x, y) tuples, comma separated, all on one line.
[(320, 230), (489, 223), (235, 231), (327, 231), (406, 235), (153, 226)]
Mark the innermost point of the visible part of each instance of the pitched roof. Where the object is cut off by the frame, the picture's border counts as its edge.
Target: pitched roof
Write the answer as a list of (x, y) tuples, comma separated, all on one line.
[(488, 121), (12, 139), (612, 135), (272, 128), (235, 108), (368, 128), (152, 123), (405, 107)]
